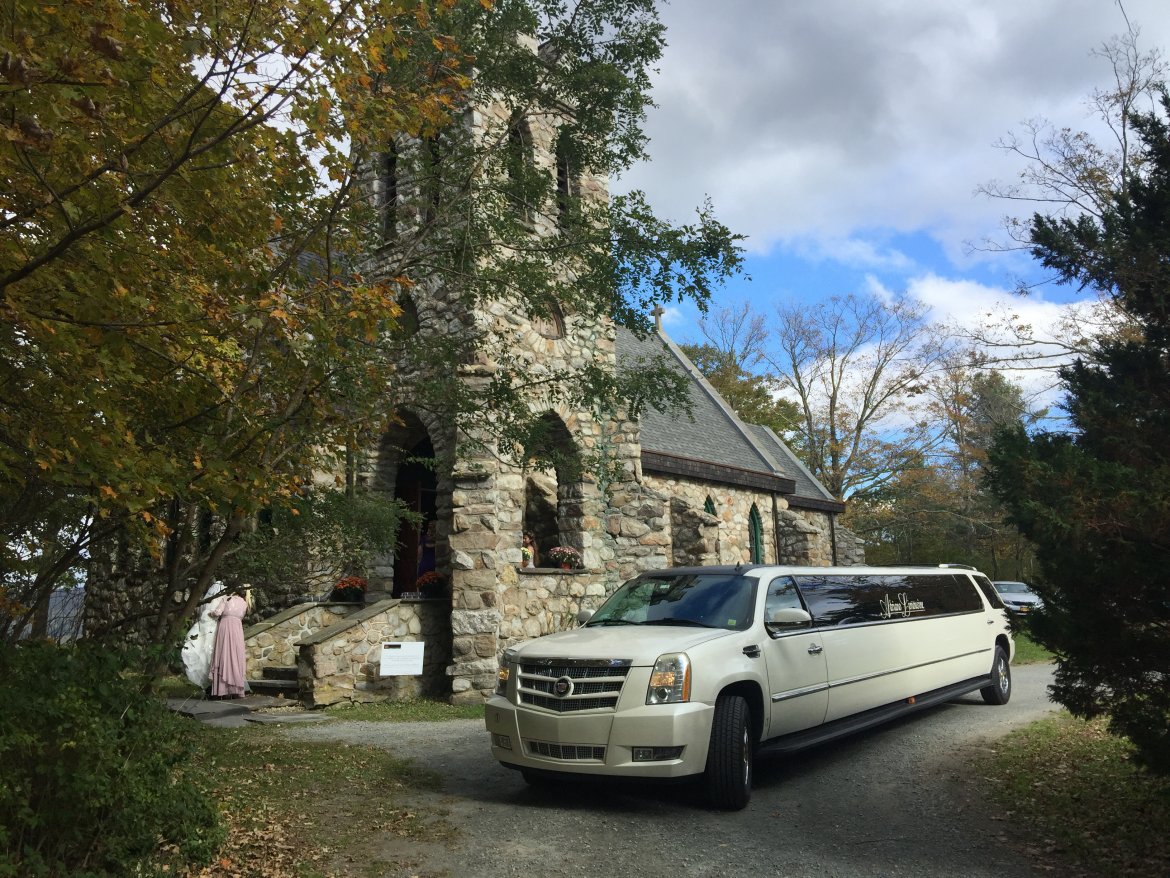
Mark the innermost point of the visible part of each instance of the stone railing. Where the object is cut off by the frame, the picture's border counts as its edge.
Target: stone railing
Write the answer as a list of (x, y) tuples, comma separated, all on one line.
[(337, 649), (273, 642)]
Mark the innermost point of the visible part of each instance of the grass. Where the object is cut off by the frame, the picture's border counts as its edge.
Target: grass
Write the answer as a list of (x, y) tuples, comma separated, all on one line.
[(1071, 795), (418, 711), (307, 809), (177, 687), (1029, 652)]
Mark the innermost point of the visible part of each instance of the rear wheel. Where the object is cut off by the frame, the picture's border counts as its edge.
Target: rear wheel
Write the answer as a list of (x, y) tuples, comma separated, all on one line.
[(1000, 689), (729, 758)]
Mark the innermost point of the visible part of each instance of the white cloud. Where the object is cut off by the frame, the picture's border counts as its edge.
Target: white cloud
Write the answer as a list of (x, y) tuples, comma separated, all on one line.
[(816, 122)]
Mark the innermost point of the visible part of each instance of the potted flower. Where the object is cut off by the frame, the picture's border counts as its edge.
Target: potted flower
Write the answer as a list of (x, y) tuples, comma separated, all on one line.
[(430, 584), (349, 589), (566, 556)]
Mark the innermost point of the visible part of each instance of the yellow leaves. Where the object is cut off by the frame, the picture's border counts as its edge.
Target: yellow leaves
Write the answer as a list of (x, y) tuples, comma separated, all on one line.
[(198, 461), (107, 492), (486, 4)]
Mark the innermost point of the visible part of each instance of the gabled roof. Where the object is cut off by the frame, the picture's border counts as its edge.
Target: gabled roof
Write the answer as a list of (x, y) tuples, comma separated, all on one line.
[(713, 443)]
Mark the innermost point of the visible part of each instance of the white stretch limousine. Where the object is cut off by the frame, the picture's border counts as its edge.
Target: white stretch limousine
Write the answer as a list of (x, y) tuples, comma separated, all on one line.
[(692, 670)]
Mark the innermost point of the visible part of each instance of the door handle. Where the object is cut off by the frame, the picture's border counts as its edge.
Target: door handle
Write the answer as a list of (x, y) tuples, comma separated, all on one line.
[(752, 651), (815, 649)]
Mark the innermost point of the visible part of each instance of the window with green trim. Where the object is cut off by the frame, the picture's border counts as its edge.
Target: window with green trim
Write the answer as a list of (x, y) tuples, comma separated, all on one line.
[(756, 536)]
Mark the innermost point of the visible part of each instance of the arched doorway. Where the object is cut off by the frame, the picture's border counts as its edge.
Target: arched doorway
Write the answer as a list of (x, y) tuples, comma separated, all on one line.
[(406, 470), (416, 488)]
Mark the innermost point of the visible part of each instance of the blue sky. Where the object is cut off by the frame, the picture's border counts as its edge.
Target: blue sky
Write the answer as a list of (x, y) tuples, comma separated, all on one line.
[(846, 139)]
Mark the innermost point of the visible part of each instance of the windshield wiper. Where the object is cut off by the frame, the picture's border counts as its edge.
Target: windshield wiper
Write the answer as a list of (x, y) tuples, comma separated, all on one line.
[(693, 622), (600, 622)]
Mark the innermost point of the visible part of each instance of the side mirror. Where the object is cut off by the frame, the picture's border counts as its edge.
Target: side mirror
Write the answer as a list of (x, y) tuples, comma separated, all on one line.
[(790, 616), (584, 616)]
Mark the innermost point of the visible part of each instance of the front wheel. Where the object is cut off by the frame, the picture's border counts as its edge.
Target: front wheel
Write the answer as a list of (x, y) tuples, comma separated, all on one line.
[(1000, 689), (729, 758)]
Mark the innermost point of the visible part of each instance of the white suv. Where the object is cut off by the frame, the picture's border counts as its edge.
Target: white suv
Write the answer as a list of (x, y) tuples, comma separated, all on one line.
[(690, 671)]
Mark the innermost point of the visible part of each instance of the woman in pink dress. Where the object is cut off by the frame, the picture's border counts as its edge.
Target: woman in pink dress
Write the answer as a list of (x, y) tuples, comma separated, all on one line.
[(229, 666)]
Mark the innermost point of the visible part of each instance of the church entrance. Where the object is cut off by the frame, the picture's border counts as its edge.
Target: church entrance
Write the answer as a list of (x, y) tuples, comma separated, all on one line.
[(416, 488)]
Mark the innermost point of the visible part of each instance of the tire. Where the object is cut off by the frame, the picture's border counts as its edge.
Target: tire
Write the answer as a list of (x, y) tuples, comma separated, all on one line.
[(1000, 690), (729, 758)]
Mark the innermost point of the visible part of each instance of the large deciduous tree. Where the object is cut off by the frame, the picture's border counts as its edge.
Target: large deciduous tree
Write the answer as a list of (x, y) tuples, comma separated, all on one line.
[(730, 358), (855, 364), (1094, 499), (938, 508), (186, 333)]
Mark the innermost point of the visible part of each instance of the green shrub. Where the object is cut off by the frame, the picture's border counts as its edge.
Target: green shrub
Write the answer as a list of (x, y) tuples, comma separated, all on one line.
[(97, 772)]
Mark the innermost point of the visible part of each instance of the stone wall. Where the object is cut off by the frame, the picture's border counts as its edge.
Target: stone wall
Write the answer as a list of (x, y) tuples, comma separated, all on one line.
[(539, 601), (732, 513), (807, 537), (850, 547), (342, 662), (694, 534), (273, 642)]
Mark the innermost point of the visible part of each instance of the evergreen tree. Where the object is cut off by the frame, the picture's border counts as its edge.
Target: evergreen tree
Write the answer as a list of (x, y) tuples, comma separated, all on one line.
[(1096, 500)]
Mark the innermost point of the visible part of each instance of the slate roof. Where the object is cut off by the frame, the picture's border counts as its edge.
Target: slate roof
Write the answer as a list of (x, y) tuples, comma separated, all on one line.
[(713, 443)]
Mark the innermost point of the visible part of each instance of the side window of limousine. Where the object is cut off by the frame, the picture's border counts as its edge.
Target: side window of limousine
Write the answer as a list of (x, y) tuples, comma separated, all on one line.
[(861, 599), (989, 592), (782, 595)]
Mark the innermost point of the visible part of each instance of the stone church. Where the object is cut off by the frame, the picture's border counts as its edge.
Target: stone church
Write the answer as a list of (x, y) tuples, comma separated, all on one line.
[(684, 489), (703, 488)]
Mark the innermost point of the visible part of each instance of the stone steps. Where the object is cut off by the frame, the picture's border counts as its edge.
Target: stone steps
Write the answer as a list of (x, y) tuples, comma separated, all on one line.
[(276, 681)]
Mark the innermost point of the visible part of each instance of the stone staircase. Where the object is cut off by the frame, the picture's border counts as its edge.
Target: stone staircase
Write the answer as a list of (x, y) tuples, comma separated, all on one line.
[(277, 681), (320, 653)]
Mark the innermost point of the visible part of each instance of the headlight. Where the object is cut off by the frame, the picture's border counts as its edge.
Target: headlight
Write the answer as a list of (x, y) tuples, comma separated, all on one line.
[(670, 681), (506, 661)]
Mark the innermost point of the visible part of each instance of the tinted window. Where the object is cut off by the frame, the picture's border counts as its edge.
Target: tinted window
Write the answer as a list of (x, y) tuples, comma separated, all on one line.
[(782, 595), (990, 592), (855, 599), (713, 600)]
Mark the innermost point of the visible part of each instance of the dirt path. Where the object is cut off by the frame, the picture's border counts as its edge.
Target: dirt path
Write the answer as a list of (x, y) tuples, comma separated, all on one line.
[(889, 802)]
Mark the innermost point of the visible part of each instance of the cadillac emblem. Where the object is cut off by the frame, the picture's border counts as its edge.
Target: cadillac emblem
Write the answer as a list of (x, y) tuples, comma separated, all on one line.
[(563, 687)]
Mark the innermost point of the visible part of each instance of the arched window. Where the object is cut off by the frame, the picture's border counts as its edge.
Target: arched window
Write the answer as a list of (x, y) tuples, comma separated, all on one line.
[(709, 506), (552, 325), (432, 180), (566, 176), (388, 192), (756, 536), (552, 490), (408, 319), (518, 161)]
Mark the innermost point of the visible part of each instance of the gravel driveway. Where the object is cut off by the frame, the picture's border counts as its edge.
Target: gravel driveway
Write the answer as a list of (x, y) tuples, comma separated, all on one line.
[(888, 802)]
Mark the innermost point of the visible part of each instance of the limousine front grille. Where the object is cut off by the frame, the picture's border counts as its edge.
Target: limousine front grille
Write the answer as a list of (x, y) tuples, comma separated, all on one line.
[(565, 685), (566, 752)]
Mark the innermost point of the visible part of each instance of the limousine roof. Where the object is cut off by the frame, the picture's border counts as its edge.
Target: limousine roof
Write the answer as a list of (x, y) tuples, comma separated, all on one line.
[(869, 570)]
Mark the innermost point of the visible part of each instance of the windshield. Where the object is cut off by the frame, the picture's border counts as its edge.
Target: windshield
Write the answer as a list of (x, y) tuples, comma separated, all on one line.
[(1012, 588), (705, 600)]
